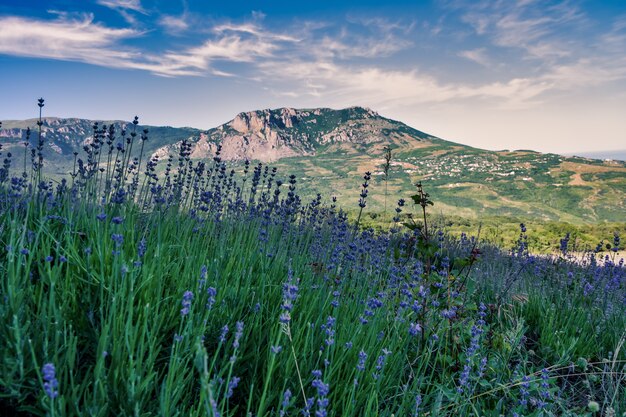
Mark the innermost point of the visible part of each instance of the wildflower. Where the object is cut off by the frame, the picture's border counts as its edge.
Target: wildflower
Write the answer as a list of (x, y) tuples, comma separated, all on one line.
[(101, 216), (186, 302), (418, 402), (223, 333), (141, 248), (290, 293), (62, 259), (286, 398), (362, 358), (118, 239), (448, 314), (117, 220), (232, 384), (203, 275), (414, 329), (238, 334), (380, 363), (24, 251), (524, 390), (49, 258), (276, 349), (322, 393), (212, 292), (329, 327), (50, 384)]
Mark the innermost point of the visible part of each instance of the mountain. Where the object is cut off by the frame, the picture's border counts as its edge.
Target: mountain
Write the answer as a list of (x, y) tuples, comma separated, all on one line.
[(64, 136), (270, 135), (329, 150)]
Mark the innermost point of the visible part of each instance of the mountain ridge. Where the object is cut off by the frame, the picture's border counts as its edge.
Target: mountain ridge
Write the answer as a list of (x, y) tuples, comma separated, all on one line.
[(331, 149)]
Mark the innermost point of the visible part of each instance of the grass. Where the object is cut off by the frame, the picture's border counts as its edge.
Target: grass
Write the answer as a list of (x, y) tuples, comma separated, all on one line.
[(203, 292)]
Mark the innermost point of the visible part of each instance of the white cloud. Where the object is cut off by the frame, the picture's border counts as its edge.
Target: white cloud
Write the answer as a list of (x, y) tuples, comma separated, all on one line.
[(134, 5), (65, 39), (478, 55), (173, 24)]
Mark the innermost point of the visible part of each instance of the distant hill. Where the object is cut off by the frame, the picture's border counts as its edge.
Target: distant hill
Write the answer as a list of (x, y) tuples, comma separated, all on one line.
[(329, 150)]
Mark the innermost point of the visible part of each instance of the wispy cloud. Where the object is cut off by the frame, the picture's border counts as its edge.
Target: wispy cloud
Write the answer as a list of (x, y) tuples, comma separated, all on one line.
[(125, 8), (174, 24), (134, 5), (532, 26), (81, 39), (342, 85), (74, 39), (478, 55)]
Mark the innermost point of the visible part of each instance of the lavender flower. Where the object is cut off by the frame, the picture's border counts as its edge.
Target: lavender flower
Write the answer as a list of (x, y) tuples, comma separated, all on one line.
[(187, 297), (414, 329), (380, 363), (290, 293), (232, 384), (286, 398), (362, 358), (212, 292), (223, 333), (50, 384), (238, 334), (322, 393)]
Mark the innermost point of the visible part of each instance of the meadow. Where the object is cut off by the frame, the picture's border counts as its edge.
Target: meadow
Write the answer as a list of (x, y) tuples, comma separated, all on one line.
[(206, 292)]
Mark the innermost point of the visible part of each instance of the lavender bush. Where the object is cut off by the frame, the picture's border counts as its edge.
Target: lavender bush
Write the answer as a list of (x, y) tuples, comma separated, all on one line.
[(209, 292)]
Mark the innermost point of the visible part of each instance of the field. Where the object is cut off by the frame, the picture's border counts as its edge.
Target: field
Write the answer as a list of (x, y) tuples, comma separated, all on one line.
[(207, 292)]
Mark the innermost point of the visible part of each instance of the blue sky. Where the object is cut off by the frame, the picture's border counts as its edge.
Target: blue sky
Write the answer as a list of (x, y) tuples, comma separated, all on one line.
[(544, 75)]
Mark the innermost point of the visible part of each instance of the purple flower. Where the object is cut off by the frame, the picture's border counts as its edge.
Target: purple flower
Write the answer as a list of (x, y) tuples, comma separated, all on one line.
[(62, 259), (24, 251), (101, 216), (50, 384), (380, 363), (290, 293), (448, 314), (329, 327), (276, 349), (362, 358), (232, 384), (118, 239), (238, 334), (223, 333), (49, 258), (141, 248), (117, 220), (186, 303), (414, 329), (211, 292), (286, 398)]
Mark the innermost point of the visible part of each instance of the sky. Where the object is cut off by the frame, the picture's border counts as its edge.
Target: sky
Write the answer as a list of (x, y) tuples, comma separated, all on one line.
[(502, 74)]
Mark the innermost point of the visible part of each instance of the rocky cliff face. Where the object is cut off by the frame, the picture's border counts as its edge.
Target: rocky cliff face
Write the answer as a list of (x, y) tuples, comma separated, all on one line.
[(269, 135), (263, 135)]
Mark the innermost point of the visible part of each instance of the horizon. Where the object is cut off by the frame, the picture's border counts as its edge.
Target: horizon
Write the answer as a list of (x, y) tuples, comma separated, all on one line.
[(548, 76), (618, 154)]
